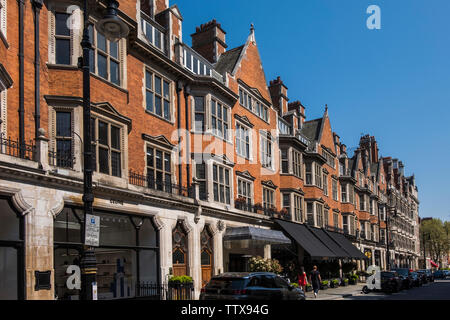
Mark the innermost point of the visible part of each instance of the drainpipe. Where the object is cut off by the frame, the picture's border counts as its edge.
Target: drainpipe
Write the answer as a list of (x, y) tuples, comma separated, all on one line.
[(187, 92), (180, 172), (37, 5), (21, 4)]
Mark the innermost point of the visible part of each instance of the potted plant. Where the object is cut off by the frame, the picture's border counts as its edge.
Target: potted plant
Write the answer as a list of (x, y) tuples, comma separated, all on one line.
[(344, 282), (353, 279), (324, 285), (334, 283), (240, 202), (284, 213), (294, 284), (178, 281), (258, 207), (273, 212)]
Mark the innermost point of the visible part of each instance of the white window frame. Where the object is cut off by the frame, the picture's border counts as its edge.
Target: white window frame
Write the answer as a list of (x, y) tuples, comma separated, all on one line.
[(3, 17), (225, 134), (239, 141), (254, 103), (268, 202), (249, 184), (222, 184), (266, 144), (162, 95), (96, 146)]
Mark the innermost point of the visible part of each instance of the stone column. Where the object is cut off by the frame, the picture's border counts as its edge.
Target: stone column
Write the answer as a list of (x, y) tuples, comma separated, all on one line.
[(39, 206), (267, 251), (42, 150)]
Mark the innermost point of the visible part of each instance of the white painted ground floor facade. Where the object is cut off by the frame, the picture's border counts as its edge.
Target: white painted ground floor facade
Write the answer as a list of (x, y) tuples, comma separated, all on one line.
[(140, 236)]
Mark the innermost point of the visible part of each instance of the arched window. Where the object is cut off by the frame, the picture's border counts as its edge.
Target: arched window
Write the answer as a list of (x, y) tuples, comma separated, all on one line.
[(179, 250)]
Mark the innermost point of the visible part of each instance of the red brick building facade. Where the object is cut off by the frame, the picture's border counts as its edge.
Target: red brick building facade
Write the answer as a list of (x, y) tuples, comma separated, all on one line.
[(189, 143)]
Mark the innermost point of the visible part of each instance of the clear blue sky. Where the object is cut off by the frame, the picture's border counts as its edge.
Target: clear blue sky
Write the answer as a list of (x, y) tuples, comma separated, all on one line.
[(392, 83)]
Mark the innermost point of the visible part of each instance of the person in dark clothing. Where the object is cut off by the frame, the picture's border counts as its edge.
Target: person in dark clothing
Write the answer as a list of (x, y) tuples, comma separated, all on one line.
[(315, 280)]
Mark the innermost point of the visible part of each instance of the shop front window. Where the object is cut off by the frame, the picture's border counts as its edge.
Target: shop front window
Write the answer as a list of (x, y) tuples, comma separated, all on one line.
[(11, 250), (127, 258)]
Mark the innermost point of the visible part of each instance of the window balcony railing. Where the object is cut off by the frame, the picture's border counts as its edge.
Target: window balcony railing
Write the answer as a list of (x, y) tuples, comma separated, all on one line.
[(160, 185), (61, 159), (198, 65), (285, 127), (14, 148), (153, 32), (335, 229), (270, 212)]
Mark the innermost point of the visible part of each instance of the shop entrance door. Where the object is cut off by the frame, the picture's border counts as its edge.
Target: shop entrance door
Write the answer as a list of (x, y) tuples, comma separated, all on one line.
[(206, 267), (238, 263)]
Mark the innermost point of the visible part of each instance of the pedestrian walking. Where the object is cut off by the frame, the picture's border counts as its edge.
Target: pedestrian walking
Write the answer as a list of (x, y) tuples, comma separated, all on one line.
[(315, 280), (302, 279)]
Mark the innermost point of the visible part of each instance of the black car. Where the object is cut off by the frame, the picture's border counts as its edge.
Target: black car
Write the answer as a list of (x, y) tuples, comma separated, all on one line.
[(405, 277), (250, 286), (390, 282), (416, 279), (439, 274), (425, 277)]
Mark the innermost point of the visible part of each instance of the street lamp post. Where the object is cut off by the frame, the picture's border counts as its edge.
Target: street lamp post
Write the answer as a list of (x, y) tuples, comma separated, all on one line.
[(113, 29)]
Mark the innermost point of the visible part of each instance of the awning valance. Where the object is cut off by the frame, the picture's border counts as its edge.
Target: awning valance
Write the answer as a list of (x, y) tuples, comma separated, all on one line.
[(267, 236), (306, 239), (330, 243), (347, 245)]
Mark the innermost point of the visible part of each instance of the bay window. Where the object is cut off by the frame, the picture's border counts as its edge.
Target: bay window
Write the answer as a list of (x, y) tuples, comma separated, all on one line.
[(219, 119), (221, 184)]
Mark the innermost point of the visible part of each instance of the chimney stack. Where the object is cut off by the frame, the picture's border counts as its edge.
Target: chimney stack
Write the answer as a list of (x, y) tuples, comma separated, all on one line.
[(278, 92), (209, 41)]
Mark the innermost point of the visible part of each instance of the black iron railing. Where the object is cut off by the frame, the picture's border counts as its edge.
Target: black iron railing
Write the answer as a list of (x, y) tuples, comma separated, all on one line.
[(161, 185), (335, 229), (153, 291), (270, 212), (14, 148), (62, 159)]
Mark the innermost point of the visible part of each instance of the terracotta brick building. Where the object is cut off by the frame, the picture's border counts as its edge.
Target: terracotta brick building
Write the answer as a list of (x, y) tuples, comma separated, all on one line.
[(199, 160)]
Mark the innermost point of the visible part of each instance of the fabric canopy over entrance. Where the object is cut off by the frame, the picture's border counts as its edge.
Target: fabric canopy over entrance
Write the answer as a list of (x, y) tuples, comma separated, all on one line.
[(330, 243), (347, 245), (306, 239), (256, 234)]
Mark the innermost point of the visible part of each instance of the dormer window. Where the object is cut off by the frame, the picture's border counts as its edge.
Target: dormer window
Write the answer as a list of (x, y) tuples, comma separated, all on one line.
[(252, 103)]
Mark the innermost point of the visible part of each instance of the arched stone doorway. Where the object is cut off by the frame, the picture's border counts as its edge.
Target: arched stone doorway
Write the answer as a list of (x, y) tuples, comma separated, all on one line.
[(179, 250), (206, 254)]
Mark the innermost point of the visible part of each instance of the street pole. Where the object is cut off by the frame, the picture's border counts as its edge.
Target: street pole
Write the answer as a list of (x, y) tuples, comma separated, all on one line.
[(88, 262)]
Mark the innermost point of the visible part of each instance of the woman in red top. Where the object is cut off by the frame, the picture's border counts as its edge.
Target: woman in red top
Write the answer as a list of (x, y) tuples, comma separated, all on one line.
[(302, 279)]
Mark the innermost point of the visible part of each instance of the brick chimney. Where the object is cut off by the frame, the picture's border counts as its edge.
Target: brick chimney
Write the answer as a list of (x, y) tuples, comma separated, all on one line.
[(278, 92), (209, 40), (299, 109), (370, 144)]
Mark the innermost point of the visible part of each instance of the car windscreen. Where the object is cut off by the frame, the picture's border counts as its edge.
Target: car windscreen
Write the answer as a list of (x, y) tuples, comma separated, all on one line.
[(402, 272), (227, 283), (387, 274)]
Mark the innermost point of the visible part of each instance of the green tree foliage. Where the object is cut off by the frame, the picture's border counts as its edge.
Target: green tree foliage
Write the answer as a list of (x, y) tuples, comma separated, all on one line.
[(435, 234)]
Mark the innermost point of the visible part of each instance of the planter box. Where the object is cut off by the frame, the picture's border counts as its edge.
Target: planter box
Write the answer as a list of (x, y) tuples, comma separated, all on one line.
[(344, 284)]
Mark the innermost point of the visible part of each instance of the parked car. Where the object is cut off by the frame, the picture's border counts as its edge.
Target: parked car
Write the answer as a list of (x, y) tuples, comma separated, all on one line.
[(439, 274), (428, 274), (447, 273), (416, 279), (390, 281), (405, 277), (250, 286), (423, 275)]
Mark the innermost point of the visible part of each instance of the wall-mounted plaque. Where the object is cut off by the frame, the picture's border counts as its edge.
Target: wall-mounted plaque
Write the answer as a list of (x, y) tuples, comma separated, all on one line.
[(43, 280)]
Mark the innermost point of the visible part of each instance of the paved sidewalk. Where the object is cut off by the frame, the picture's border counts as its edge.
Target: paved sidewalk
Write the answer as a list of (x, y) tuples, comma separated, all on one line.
[(336, 293)]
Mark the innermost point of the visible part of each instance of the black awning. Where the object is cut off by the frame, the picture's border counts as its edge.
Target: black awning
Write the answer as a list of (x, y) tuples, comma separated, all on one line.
[(330, 243), (346, 245), (306, 239), (255, 234)]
